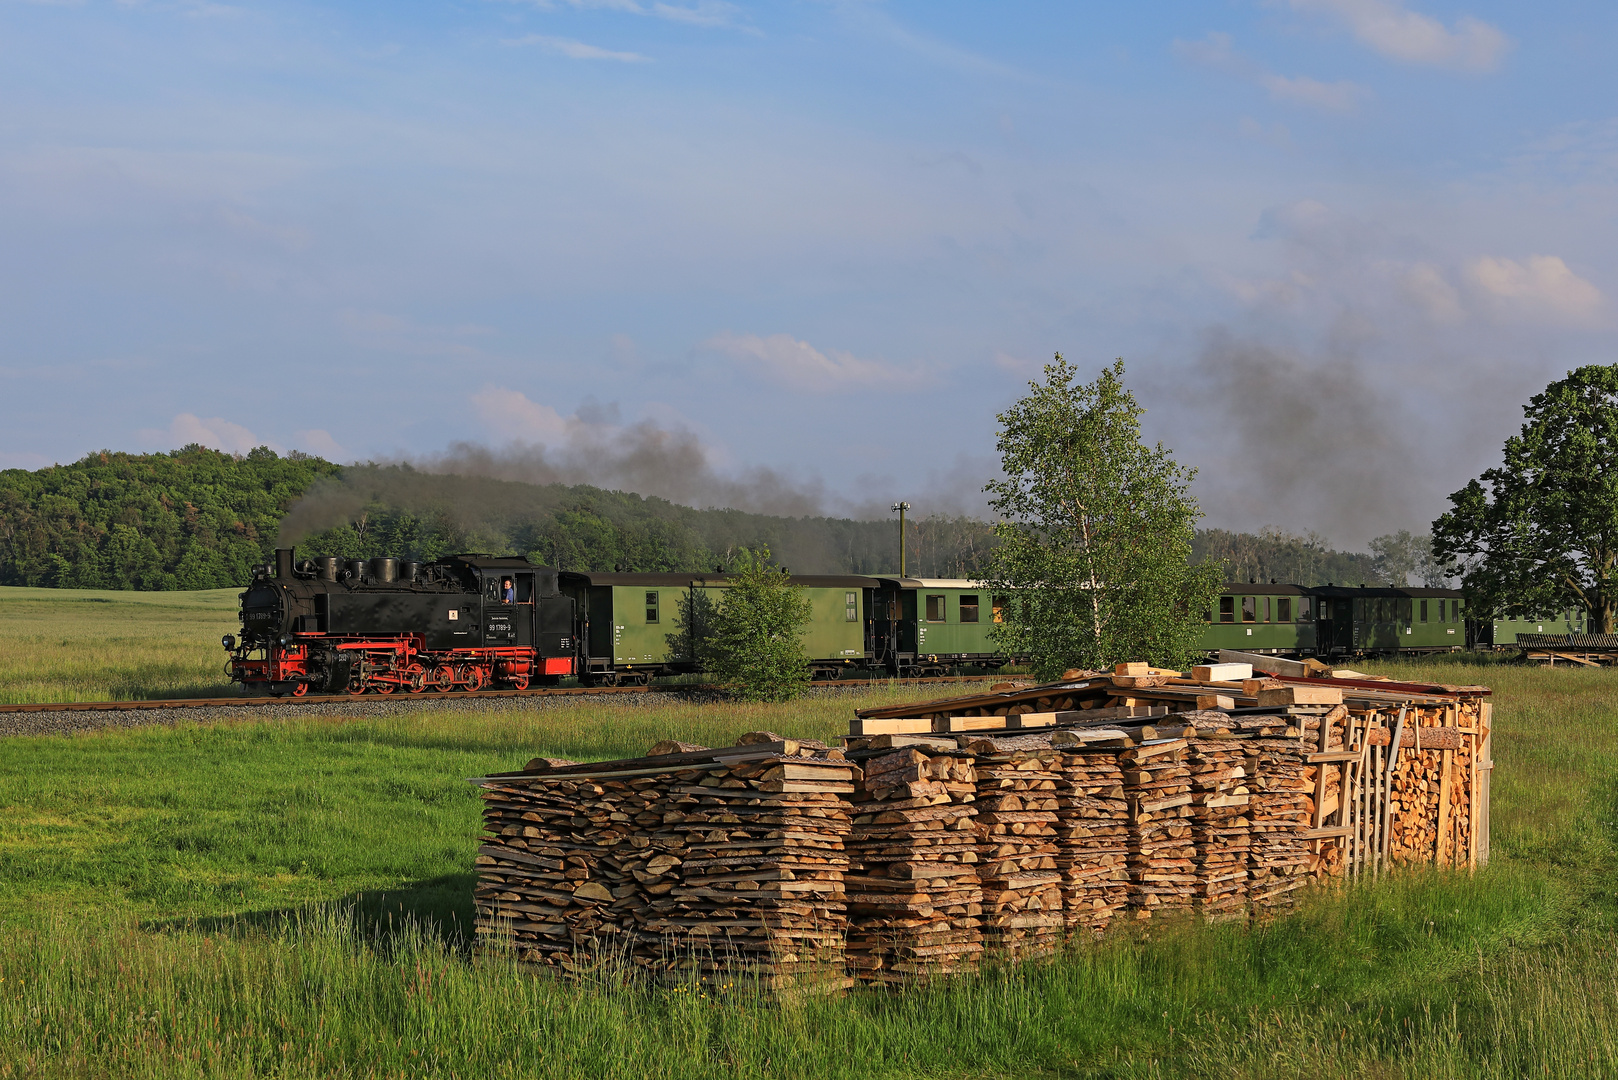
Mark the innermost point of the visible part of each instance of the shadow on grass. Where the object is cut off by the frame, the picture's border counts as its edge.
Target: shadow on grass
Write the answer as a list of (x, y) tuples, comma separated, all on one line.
[(441, 908)]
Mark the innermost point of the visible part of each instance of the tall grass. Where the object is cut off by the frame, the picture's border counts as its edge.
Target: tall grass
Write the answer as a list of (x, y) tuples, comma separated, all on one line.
[(292, 899), (99, 645)]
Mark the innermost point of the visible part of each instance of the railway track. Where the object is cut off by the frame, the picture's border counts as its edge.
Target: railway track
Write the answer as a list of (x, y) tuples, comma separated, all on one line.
[(436, 695)]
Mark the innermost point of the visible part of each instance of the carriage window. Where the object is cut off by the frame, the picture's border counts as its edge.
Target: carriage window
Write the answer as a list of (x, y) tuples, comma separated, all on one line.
[(997, 607), (651, 605), (1305, 613), (935, 609), (969, 608), (1424, 611), (1249, 609), (1266, 610), (1454, 611), (1227, 609), (851, 607), (1283, 609)]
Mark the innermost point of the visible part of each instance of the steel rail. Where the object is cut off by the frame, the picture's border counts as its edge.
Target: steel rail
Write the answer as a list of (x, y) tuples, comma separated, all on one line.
[(431, 695)]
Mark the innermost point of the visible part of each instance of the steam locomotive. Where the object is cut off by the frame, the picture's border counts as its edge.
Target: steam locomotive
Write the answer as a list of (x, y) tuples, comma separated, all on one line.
[(470, 622), (463, 623)]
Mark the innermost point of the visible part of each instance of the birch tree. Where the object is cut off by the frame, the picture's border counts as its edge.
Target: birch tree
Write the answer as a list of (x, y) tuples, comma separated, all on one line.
[(1095, 532)]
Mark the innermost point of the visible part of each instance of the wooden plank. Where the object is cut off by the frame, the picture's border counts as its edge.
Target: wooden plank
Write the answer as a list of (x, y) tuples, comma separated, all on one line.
[(1205, 673), (907, 726), (1274, 665), (890, 742), (1300, 695), (1045, 719), (1334, 756), (1216, 701), (1328, 832), (1132, 669), (969, 723)]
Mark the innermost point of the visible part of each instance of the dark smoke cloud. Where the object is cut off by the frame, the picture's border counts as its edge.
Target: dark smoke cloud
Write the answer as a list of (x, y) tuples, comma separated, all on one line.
[(1306, 442), (644, 458)]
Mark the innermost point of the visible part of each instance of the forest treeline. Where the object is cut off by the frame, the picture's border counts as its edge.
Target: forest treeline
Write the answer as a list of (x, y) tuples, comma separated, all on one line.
[(198, 519)]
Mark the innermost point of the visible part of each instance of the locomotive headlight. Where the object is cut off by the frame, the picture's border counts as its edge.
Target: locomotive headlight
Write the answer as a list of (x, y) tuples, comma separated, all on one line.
[(229, 642)]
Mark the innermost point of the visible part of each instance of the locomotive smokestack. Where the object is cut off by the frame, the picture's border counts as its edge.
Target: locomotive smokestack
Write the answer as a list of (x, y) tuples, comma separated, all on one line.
[(283, 563)]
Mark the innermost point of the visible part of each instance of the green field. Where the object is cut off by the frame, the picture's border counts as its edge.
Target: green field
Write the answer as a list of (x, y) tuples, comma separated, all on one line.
[(96, 645), (291, 898)]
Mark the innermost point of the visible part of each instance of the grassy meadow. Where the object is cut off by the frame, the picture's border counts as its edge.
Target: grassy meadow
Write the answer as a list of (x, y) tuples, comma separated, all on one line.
[(291, 898), (98, 645)]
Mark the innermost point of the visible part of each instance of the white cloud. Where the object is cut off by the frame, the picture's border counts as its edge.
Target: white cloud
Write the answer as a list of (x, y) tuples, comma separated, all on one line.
[(1302, 90), (1543, 283), (513, 416), (1217, 52), (319, 441), (576, 50), (1393, 30), (1214, 51), (1430, 289), (702, 13), (800, 364), (216, 431)]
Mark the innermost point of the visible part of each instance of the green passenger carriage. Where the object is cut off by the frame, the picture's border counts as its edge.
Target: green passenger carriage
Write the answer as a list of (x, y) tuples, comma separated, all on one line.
[(1336, 620), (924, 626), (637, 626)]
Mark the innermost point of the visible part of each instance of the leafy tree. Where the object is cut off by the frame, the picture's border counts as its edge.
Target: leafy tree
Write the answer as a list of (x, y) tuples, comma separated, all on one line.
[(1095, 531), (1276, 555), (1404, 558), (192, 519), (1540, 532), (754, 643)]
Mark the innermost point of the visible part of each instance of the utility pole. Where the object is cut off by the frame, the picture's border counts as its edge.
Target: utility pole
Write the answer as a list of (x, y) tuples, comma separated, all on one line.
[(900, 508)]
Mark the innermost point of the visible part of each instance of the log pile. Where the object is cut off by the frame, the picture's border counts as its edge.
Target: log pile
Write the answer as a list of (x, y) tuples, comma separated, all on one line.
[(914, 895), (690, 862), (1220, 825), (1279, 859), (1157, 786), (1017, 851), (1092, 830), (979, 825)]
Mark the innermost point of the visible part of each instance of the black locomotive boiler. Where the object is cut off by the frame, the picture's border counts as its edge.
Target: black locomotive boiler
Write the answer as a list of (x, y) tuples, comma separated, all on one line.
[(465, 622)]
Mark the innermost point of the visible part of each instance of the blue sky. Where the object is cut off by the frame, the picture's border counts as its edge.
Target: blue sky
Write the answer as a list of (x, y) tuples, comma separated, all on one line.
[(800, 253)]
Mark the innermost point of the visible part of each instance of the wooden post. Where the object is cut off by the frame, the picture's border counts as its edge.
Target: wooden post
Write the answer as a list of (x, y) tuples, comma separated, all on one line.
[(1486, 775), (1444, 853), (1384, 852)]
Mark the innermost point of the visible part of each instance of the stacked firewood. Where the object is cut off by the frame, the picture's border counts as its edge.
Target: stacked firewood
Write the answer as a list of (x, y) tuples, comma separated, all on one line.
[(1279, 859), (1092, 829), (729, 865), (1220, 828), (1162, 853), (913, 893), (1017, 851)]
